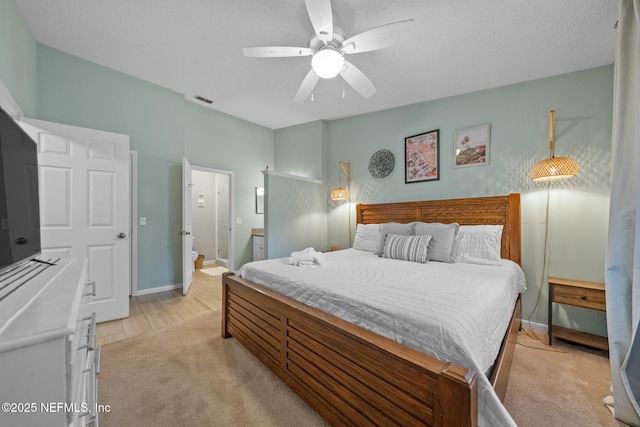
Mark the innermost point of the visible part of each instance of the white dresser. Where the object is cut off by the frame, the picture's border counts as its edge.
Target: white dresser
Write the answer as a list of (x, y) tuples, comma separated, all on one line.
[(48, 356)]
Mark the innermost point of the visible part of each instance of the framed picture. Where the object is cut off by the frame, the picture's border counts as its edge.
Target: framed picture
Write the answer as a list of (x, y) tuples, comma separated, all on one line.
[(422, 157), (471, 146)]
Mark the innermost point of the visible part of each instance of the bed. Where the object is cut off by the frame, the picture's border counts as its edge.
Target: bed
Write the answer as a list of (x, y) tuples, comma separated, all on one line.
[(353, 376)]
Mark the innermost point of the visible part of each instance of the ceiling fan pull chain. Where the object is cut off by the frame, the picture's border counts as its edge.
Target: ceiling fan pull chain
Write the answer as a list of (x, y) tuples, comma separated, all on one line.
[(311, 96), (343, 93)]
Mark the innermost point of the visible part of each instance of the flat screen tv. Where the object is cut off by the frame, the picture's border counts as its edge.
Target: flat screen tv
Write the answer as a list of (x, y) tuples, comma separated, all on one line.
[(19, 202)]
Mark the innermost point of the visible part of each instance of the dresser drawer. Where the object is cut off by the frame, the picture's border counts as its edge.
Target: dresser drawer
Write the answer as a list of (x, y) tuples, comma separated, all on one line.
[(580, 297)]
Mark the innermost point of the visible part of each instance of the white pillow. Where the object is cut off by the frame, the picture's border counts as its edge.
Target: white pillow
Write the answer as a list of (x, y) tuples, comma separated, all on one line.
[(367, 237), (392, 228), (408, 248), (478, 244), (442, 239)]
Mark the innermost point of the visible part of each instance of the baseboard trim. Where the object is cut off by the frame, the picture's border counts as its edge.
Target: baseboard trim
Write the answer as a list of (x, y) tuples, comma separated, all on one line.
[(535, 326), (222, 262), (159, 289)]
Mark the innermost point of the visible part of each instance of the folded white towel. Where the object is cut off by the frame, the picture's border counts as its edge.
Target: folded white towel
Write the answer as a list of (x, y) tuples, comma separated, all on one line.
[(306, 256)]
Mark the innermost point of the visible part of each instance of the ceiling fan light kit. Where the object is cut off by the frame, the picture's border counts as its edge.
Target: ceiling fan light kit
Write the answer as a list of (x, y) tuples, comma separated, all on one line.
[(327, 63), (328, 49)]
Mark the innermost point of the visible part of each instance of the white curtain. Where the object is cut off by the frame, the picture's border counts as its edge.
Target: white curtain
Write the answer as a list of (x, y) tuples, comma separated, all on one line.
[(622, 274)]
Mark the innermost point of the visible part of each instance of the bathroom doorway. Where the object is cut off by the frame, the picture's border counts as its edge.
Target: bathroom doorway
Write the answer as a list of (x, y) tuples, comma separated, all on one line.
[(212, 210)]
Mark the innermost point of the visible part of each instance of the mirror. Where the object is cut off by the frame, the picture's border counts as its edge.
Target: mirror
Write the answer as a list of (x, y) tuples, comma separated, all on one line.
[(259, 200)]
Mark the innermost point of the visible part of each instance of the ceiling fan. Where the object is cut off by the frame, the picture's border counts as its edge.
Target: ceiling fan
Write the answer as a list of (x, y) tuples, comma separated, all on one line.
[(328, 48)]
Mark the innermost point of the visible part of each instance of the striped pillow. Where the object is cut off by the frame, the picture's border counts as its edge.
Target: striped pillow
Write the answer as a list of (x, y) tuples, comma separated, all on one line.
[(408, 248)]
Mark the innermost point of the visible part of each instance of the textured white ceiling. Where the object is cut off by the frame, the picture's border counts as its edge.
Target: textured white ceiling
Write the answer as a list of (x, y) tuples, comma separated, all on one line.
[(194, 47)]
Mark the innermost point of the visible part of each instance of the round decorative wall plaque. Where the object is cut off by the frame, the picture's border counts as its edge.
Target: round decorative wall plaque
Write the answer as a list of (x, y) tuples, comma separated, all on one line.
[(381, 164)]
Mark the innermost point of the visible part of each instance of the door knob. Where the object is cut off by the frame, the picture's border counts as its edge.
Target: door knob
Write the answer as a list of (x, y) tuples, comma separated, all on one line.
[(121, 235)]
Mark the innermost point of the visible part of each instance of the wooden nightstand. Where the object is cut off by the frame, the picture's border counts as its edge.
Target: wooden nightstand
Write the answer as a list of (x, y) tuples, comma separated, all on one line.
[(579, 294)]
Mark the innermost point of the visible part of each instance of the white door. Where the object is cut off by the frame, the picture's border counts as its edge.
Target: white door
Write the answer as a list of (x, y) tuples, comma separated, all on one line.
[(187, 226), (85, 206)]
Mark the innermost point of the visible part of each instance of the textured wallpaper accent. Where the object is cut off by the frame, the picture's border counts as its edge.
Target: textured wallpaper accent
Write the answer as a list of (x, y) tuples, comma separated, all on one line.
[(295, 214)]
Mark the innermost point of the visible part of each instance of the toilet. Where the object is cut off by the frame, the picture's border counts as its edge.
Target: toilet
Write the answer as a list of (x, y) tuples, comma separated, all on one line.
[(194, 257)]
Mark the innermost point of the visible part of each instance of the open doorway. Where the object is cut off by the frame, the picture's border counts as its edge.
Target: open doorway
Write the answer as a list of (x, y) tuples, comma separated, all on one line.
[(208, 201), (211, 216)]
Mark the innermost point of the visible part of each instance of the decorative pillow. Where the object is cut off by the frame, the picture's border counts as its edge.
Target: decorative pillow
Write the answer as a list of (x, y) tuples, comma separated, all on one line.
[(392, 228), (442, 238), (367, 237), (478, 244), (408, 248)]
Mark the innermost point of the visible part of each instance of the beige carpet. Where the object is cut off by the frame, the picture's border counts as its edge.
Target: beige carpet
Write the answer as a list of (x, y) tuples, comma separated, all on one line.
[(187, 375), (213, 271), (562, 385)]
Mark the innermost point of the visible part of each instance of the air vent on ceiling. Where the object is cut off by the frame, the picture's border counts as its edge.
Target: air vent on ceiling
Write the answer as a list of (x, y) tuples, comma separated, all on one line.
[(203, 99)]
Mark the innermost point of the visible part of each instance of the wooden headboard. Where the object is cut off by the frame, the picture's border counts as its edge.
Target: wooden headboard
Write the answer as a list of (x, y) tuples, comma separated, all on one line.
[(493, 210)]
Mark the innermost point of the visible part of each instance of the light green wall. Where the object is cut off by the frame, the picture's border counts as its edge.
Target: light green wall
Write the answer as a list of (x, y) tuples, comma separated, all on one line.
[(519, 116), (295, 214), (219, 141), (81, 93), (296, 211), (299, 150), (17, 57), (163, 127)]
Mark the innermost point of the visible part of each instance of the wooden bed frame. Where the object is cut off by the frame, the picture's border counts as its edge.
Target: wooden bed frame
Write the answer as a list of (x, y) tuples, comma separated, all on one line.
[(352, 376)]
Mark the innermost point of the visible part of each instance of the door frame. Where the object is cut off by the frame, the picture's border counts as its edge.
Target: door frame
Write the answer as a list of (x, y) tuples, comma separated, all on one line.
[(230, 174), (133, 232), (186, 233)]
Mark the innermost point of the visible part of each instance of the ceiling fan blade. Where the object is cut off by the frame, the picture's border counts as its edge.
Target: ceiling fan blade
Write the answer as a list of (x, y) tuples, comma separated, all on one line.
[(275, 51), (307, 86), (321, 18), (357, 80), (379, 38)]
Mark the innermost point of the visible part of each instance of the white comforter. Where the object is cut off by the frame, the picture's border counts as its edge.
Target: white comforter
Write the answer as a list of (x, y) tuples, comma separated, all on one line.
[(453, 312)]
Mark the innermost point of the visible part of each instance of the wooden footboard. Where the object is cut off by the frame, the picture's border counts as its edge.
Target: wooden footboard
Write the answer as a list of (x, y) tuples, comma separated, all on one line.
[(350, 376)]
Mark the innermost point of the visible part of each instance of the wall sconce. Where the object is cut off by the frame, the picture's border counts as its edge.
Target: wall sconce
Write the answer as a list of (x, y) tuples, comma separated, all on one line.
[(342, 193), (554, 168), (547, 170)]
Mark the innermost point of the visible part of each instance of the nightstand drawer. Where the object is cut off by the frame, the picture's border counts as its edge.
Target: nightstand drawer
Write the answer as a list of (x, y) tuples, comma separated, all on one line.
[(581, 297)]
